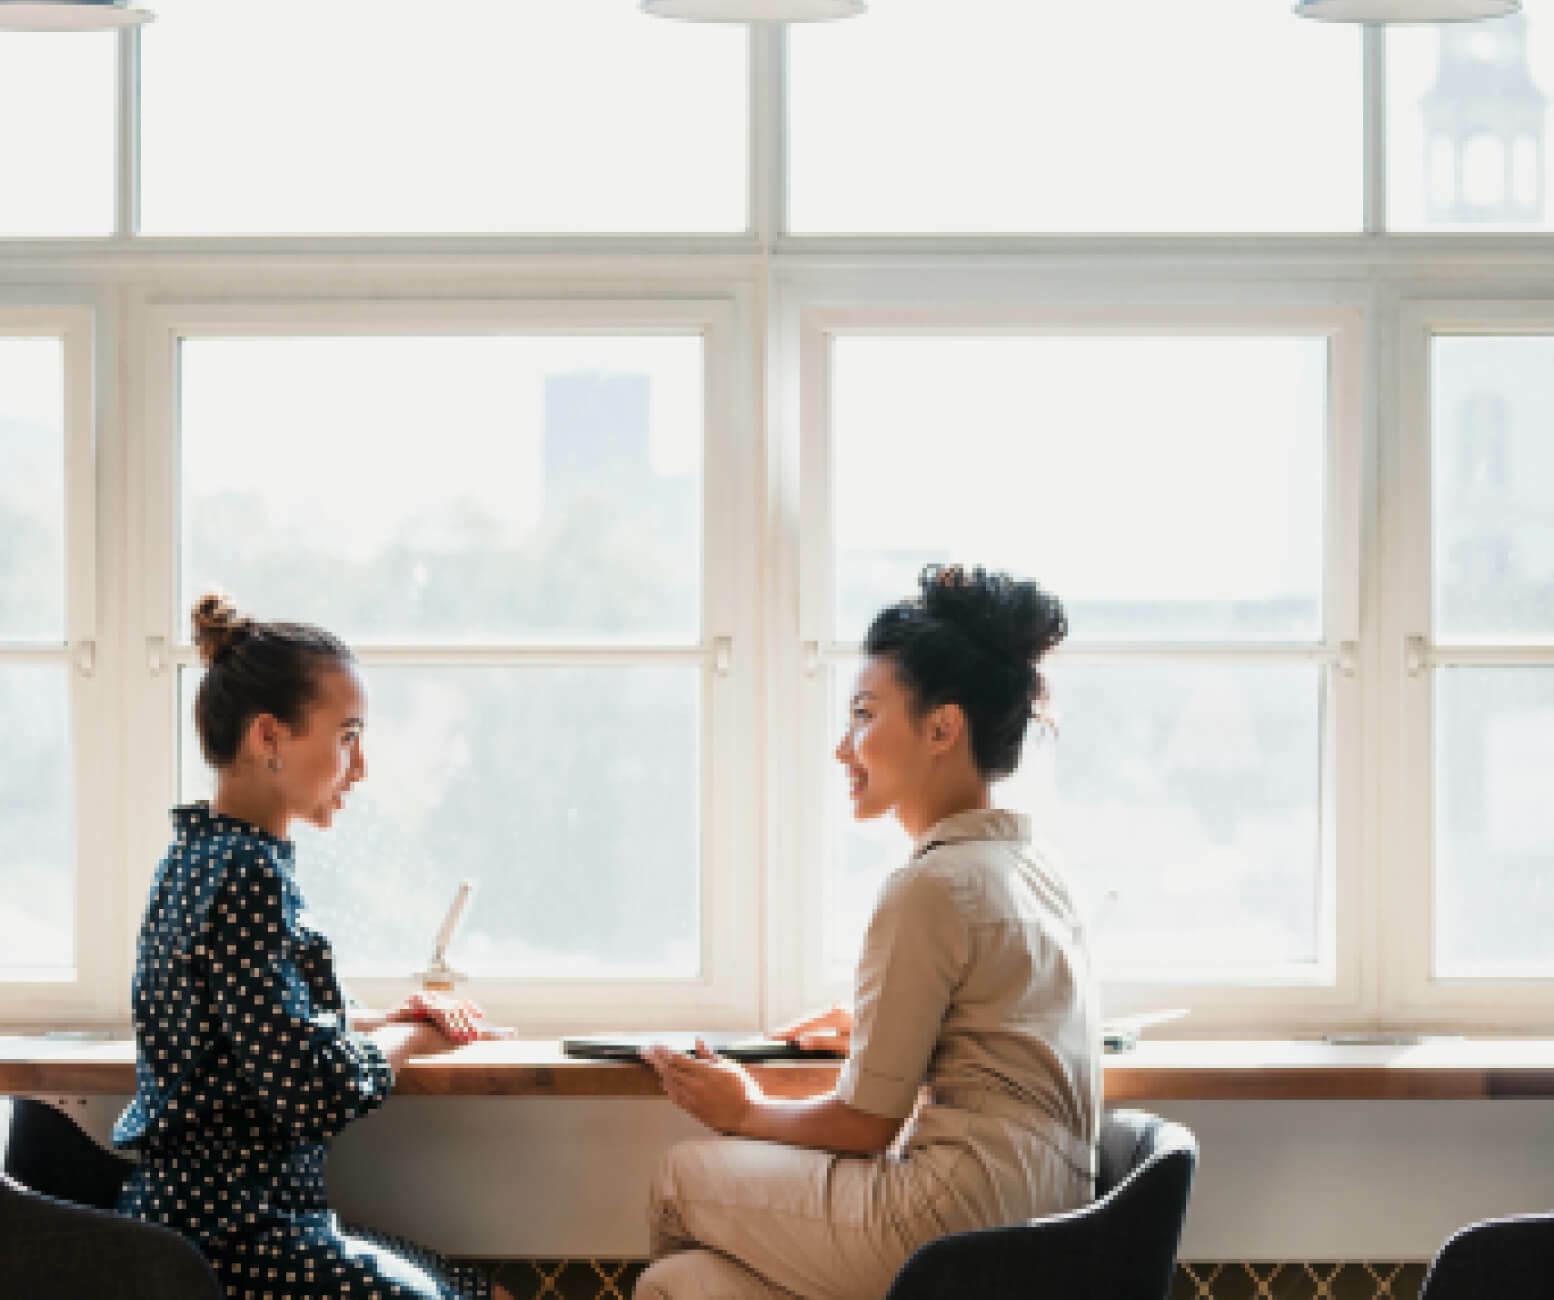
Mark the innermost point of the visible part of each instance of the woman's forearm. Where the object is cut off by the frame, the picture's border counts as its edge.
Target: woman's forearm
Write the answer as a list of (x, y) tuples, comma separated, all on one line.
[(824, 1123), (400, 1042), (363, 1021)]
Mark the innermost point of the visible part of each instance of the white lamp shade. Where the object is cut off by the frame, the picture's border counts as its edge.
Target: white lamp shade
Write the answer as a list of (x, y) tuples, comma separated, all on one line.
[(753, 11), (69, 15), (1405, 11)]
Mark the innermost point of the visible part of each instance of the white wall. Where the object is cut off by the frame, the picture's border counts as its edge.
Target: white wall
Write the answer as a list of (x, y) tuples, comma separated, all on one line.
[(541, 1177)]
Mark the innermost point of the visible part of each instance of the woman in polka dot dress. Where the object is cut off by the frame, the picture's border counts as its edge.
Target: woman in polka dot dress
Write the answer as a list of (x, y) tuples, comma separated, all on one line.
[(244, 1066)]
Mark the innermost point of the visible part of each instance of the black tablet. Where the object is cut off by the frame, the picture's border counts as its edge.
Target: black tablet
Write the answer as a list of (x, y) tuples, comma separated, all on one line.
[(737, 1047)]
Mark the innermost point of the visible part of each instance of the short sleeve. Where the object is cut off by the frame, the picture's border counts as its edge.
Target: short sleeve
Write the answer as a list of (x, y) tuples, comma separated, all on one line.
[(305, 1071), (914, 956)]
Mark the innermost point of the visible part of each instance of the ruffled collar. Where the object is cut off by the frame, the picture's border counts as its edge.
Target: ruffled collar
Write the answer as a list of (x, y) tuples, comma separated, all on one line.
[(197, 821)]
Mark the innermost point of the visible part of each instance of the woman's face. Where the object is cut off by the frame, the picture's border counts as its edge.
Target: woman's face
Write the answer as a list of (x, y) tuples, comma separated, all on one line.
[(324, 759), (885, 749)]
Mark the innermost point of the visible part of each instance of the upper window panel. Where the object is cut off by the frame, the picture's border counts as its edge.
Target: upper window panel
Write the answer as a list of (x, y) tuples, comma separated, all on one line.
[(448, 489), (1492, 410), (32, 490), (1469, 110), (363, 116), (56, 133), (1168, 488), (1135, 116)]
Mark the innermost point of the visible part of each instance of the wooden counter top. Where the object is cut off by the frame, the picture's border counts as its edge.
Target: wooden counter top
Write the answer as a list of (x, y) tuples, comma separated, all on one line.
[(1157, 1070)]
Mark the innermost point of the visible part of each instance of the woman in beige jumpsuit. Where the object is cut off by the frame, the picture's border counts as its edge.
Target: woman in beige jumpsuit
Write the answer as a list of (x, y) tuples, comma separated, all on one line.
[(970, 1096)]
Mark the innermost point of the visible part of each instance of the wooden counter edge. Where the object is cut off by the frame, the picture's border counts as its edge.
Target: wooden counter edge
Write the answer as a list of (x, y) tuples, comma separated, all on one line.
[(1125, 1082)]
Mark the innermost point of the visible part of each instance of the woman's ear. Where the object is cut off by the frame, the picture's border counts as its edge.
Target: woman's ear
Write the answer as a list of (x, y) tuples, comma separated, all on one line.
[(946, 725), (262, 740)]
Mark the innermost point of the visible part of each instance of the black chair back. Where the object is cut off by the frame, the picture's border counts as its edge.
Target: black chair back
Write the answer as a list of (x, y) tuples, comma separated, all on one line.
[(48, 1153), (58, 1235), (1120, 1247), (1495, 1260)]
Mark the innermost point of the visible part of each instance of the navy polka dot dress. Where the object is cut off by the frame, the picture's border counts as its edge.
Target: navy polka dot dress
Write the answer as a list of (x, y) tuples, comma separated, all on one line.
[(244, 1071)]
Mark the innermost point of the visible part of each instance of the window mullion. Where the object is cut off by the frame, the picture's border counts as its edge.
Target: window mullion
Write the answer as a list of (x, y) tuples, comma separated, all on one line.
[(1375, 127)]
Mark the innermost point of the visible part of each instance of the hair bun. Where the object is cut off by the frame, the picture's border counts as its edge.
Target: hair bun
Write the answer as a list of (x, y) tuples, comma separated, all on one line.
[(1010, 619), (217, 626)]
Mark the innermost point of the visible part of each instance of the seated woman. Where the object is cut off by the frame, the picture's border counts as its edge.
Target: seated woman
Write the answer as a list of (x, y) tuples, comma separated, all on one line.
[(970, 1096), (245, 1068)]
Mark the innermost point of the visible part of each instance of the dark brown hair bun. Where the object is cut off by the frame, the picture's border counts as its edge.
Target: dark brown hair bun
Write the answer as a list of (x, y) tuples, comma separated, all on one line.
[(254, 667), (974, 637), (217, 626)]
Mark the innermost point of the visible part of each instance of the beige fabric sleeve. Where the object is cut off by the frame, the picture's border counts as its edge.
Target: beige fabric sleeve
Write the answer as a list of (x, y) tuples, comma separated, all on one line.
[(914, 954)]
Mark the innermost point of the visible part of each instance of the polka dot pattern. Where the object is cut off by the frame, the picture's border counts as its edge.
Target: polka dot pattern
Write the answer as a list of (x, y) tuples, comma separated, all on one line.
[(244, 1070)]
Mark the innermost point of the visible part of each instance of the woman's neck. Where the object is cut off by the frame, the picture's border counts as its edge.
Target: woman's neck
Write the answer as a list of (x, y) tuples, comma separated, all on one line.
[(921, 814), (252, 802)]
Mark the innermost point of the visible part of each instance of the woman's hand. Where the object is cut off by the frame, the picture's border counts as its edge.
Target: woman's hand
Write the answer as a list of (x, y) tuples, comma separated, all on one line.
[(459, 1020), (402, 1041), (824, 1031), (709, 1087)]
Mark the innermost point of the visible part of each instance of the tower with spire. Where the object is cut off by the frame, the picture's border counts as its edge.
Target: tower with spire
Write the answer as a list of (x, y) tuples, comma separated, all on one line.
[(1484, 128)]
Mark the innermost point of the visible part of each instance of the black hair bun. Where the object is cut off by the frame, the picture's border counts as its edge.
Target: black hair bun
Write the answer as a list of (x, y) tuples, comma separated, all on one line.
[(217, 626), (1005, 617)]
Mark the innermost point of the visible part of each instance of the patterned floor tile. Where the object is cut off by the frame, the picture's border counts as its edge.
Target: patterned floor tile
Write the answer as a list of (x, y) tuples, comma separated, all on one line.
[(613, 1279)]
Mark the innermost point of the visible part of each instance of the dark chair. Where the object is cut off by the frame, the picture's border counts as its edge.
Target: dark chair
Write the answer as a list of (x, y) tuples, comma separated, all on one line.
[(1120, 1247), (59, 1236), (1497, 1259)]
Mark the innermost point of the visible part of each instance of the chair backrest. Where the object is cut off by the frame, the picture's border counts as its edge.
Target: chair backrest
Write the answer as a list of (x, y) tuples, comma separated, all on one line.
[(1121, 1246), (64, 1251), (1495, 1260), (48, 1153), (1130, 1139)]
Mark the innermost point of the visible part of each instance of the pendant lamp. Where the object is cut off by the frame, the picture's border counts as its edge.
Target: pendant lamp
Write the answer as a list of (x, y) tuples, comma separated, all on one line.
[(1405, 11), (753, 11), (69, 15)]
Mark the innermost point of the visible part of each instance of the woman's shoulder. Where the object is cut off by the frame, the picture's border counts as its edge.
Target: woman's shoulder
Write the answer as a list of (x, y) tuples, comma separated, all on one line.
[(993, 877), (227, 854), (198, 831)]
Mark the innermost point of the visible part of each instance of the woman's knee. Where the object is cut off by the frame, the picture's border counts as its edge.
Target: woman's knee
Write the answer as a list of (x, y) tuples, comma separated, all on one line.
[(702, 1275), (681, 1171)]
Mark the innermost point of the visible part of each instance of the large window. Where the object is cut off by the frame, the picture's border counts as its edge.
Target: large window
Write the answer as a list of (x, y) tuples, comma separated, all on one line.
[(37, 851), (1483, 675), (493, 116), (1131, 116), (598, 377), (57, 133), (1469, 108), (511, 529), (57, 788), (1185, 783)]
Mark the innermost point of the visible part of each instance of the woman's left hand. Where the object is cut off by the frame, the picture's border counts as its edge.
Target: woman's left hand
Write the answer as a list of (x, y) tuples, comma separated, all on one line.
[(459, 1020), (710, 1087)]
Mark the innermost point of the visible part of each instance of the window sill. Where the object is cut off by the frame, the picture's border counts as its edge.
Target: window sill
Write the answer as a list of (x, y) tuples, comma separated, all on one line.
[(1157, 1070)]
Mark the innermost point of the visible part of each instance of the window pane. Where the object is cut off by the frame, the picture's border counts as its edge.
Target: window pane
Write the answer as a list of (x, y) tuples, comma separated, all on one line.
[(57, 133), (32, 490), (1191, 790), (290, 116), (1494, 851), (1492, 404), (448, 489), (1468, 114), (1165, 488), (1131, 116), (569, 795), (37, 877)]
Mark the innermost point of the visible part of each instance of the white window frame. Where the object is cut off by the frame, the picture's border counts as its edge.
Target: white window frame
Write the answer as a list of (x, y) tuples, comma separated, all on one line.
[(1419, 996), (1338, 992), (726, 993), (89, 994)]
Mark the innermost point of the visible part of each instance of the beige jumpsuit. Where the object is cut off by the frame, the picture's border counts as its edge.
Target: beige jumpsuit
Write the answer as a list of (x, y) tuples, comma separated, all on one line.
[(975, 1016)]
